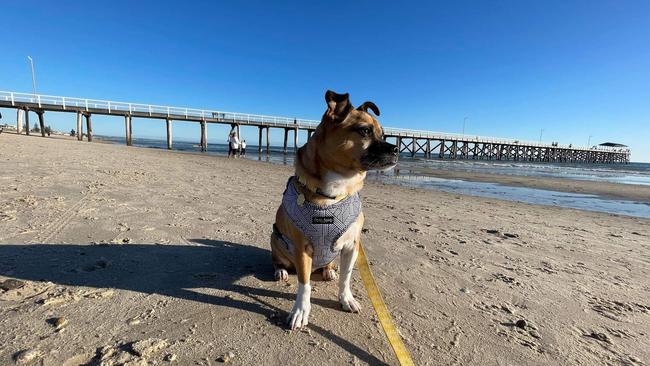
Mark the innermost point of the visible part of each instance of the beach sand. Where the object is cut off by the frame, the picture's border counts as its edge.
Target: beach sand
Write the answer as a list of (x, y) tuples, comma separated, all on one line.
[(139, 255)]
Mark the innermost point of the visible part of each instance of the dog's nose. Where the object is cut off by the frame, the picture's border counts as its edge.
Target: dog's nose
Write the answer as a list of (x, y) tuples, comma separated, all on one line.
[(395, 150)]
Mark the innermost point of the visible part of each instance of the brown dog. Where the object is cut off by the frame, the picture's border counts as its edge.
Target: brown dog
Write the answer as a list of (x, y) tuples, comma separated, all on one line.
[(320, 215)]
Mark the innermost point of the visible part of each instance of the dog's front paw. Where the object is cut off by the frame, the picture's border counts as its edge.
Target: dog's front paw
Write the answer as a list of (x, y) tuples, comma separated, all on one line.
[(299, 316), (329, 274), (349, 303), (281, 274)]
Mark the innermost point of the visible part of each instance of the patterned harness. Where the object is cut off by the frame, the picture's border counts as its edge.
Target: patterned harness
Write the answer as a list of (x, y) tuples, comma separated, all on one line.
[(322, 225)]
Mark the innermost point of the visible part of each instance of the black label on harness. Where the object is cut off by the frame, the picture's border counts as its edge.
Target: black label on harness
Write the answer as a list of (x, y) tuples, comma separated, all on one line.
[(322, 220)]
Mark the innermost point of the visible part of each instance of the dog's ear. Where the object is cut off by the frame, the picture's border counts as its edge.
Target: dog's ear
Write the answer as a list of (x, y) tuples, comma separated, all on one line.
[(364, 107), (338, 105)]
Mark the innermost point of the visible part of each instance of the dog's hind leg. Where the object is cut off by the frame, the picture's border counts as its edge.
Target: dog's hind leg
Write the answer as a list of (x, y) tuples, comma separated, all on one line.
[(280, 273), (329, 272), (281, 264)]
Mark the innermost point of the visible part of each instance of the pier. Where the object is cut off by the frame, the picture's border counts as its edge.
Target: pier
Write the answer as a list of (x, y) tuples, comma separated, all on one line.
[(425, 144)]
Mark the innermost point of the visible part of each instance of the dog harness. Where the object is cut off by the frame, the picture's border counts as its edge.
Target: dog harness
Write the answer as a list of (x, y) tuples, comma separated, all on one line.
[(322, 225)]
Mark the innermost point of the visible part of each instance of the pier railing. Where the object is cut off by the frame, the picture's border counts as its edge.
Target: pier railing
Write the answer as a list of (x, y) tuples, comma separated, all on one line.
[(121, 108), (151, 109)]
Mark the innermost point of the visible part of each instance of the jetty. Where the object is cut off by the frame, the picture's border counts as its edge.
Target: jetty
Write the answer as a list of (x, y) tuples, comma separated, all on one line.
[(426, 144)]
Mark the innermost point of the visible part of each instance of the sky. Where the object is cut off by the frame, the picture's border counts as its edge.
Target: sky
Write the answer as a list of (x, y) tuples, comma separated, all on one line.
[(573, 69)]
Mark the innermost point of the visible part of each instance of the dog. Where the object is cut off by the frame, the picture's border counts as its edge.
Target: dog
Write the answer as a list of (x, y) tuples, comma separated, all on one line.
[(320, 217)]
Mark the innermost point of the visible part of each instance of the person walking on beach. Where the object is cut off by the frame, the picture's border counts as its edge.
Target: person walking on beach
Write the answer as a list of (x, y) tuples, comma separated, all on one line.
[(242, 151), (233, 144)]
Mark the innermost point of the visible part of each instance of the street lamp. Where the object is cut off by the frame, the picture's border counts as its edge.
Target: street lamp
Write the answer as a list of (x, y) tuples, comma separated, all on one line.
[(541, 132), (589, 140), (464, 120), (31, 62)]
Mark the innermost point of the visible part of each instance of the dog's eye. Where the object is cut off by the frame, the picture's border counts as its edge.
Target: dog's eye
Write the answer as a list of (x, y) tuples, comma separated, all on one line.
[(364, 131)]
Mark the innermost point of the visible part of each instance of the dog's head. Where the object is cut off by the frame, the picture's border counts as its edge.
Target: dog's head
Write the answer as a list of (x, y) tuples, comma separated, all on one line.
[(352, 139)]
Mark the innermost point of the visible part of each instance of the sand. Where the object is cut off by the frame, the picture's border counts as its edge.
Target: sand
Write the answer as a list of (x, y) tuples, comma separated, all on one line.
[(142, 255)]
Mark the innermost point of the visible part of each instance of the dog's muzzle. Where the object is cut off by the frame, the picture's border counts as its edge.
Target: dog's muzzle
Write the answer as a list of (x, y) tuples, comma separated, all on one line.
[(380, 155)]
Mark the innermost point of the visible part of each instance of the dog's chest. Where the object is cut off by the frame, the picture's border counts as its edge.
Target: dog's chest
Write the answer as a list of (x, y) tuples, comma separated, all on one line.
[(328, 228), (323, 254), (347, 239)]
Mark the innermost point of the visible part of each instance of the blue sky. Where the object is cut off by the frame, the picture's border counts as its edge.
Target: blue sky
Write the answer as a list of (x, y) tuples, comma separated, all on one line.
[(573, 68)]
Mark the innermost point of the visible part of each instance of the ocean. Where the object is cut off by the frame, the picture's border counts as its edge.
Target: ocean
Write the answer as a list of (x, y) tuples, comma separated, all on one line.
[(413, 172)]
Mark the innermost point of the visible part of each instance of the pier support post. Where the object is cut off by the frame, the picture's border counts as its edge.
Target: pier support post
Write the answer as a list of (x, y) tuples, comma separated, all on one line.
[(268, 143), (19, 120), (427, 153), (286, 137), (89, 127), (168, 122), (533, 153), (201, 137), (442, 149), (204, 137), (128, 129), (27, 121), (41, 122), (547, 154), (259, 143), (80, 124), (295, 140)]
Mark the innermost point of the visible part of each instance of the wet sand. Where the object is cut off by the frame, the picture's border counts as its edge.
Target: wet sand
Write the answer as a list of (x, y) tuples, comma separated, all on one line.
[(631, 192), (142, 255)]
